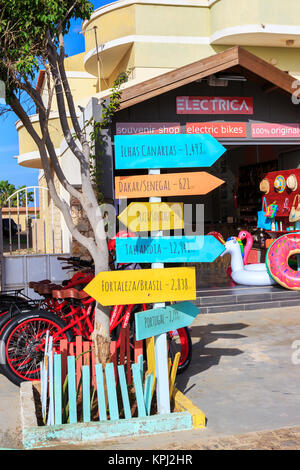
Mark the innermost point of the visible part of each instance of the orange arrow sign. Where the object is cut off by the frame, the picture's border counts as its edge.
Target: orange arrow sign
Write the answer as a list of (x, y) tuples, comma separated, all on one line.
[(162, 185)]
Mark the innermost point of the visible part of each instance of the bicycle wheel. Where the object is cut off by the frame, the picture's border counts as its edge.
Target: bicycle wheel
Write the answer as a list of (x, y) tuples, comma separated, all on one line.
[(180, 341), (22, 344)]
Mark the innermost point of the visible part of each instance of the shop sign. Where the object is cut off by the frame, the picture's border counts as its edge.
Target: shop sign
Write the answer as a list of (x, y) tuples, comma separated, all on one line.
[(214, 104), (166, 151), (132, 128), (275, 131), (178, 249), (143, 286), (163, 185), (218, 130), (161, 320)]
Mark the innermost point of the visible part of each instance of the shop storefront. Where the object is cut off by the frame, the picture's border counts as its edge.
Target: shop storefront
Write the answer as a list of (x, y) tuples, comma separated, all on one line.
[(248, 109)]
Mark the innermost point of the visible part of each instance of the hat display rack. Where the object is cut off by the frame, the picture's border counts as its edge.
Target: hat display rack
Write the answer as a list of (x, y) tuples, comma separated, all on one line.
[(282, 187)]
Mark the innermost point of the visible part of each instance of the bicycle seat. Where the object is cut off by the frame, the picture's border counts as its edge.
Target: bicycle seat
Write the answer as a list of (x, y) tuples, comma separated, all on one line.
[(32, 284), (69, 294), (46, 288)]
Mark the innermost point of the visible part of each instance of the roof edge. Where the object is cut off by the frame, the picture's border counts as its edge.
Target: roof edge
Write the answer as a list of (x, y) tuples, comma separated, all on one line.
[(236, 55)]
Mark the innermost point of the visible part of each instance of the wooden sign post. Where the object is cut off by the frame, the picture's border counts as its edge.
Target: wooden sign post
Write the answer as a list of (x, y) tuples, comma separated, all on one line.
[(156, 321), (156, 152), (166, 151), (153, 216), (170, 184), (160, 341), (143, 286), (179, 249)]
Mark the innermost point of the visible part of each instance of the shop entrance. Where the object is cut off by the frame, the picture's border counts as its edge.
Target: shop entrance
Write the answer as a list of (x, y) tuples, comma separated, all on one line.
[(235, 204), (233, 207)]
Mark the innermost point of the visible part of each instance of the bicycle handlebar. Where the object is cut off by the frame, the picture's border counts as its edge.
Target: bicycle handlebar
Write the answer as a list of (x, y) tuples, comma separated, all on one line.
[(75, 261)]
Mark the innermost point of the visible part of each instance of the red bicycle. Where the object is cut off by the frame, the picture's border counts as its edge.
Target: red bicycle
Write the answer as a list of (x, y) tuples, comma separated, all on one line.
[(22, 338), (14, 303)]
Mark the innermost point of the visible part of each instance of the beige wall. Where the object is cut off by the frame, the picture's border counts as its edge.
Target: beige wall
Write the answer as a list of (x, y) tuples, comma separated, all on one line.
[(21, 218), (49, 227)]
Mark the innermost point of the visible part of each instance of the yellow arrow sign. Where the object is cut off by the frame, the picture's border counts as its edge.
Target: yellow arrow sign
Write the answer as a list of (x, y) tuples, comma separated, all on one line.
[(146, 216), (143, 286)]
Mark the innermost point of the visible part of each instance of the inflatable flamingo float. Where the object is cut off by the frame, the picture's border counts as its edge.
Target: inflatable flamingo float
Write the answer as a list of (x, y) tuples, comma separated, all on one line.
[(244, 235), (239, 273)]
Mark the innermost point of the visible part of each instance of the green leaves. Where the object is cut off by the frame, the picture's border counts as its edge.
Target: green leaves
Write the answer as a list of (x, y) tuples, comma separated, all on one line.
[(24, 25)]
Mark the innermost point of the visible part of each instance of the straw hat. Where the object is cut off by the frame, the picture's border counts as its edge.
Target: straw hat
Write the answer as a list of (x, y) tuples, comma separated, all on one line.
[(280, 184), (264, 186), (292, 183)]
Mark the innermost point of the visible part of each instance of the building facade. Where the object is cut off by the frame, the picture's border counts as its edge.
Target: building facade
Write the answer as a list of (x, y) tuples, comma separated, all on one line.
[(159, 41)]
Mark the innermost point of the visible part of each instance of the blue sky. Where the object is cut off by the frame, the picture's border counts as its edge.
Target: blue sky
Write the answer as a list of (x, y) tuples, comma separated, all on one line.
[(9, 168)]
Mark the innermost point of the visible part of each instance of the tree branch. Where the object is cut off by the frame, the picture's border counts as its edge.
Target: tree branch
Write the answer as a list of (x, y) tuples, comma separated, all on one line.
[(88, 243)]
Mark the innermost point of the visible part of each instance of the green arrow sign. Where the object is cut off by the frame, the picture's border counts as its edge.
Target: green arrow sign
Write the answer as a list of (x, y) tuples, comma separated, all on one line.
[(161, 320)]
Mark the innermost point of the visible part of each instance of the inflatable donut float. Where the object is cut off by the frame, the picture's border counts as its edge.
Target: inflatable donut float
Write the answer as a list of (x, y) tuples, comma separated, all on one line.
[(277, 260)]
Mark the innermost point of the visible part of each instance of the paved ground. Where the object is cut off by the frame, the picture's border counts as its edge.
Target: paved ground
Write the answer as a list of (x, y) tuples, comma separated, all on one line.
[(244, 375), (10, 423)]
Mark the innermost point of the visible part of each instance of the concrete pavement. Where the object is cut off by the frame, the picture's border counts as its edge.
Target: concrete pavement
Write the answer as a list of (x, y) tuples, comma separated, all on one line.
[(10, 423), (244, 375)]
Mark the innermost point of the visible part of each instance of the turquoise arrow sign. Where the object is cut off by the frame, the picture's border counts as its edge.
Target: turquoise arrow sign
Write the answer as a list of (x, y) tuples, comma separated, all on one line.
[(185, 249), (161, 320), (166, 151)]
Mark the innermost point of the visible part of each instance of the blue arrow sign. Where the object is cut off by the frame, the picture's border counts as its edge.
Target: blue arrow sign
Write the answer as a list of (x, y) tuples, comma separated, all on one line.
[(161, 320), (186, 249), (166, 151)]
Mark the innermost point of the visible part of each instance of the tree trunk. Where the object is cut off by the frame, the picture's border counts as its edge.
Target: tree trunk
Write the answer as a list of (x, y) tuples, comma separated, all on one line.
[(101, 333)]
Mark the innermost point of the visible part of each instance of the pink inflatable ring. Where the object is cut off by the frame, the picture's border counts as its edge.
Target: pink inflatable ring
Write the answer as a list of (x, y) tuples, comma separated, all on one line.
[(277, 260)]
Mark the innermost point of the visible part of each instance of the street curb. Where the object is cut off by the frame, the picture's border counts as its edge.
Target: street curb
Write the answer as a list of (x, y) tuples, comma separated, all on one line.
[(182, 403), (187, 417)]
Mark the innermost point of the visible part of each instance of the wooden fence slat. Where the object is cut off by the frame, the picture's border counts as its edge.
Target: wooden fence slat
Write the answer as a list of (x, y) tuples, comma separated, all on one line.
[(86, 349), (122, 346), (151, 360), (128, 356), (100, 392), (138, 349), (57, 390), (63, 352), (111, 392), (138, 385), (78, 343), (124, 392), (86, 394), (173, 373), (169, 365), (93, 360), (71, 349), (50, 420), (113, 354), (72, 390), (148, 392), (140, 362), (44, 378)]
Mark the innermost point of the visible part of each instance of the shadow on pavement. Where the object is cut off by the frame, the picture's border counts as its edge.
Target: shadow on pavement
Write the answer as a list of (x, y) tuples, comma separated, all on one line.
[(204, 357)]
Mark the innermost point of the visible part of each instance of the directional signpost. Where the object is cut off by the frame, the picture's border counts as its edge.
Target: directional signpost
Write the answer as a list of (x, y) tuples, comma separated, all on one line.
[(170, 184), (159, 285), (193, 249), (147, 216), (166, 151), (161, 320)]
